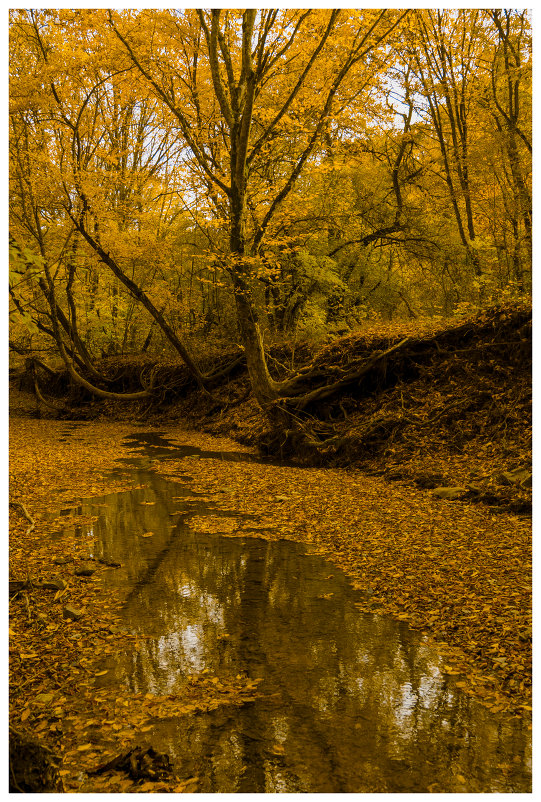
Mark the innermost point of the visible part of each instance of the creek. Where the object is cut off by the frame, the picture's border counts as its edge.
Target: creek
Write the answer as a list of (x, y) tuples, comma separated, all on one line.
[(349, 702)]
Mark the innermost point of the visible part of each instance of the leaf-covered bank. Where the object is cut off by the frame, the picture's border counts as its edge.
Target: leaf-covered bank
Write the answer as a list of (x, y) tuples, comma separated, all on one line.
[(442, 404), (457, 569)]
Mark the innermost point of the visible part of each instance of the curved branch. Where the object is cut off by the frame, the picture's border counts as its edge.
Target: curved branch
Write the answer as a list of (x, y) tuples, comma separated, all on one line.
[(98, 391), (41, 397), (69, 364), (143, 298), (380, 233)]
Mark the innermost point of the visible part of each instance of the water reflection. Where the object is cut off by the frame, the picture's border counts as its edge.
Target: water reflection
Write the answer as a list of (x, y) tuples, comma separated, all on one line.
[(351, 702)]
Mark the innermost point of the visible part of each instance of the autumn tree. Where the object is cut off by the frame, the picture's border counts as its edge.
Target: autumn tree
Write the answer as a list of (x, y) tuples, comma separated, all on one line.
[(219, 168), (240, 87), (508, 99), (462, 62), (83, 146)]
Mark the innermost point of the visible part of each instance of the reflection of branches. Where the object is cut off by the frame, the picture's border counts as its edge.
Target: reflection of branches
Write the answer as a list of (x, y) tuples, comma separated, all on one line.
[(341, 687)]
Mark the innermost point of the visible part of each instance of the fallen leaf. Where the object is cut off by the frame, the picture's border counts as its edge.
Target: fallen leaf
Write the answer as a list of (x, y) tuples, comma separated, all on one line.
[(44, 698)]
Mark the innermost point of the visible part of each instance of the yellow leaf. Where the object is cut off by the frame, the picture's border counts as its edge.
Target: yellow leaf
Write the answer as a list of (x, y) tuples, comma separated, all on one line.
[(44, 698), (147, 534), (84, 747)]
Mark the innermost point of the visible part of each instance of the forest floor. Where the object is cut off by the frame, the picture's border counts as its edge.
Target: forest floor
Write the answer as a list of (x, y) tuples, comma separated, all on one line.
[(457, 568)]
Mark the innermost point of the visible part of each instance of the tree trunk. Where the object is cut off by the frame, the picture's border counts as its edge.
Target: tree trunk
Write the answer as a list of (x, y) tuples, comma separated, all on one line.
[(264, 387)]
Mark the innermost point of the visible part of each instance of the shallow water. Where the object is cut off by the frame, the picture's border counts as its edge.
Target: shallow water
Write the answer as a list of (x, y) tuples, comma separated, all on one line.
[(350, 702)]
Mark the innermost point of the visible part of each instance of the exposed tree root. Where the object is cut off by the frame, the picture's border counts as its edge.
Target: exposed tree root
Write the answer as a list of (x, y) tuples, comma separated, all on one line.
[(439, 394), (160, 382), (326, 391), (363, 400)]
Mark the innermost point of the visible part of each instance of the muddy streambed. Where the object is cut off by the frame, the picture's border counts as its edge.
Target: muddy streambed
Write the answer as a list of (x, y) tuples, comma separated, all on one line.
[(349, 701)]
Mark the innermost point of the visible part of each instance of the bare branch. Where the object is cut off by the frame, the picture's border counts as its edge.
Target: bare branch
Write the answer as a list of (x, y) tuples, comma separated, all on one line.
[(198, 152)]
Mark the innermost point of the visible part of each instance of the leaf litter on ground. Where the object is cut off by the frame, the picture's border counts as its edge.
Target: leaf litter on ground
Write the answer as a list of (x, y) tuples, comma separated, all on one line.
[(451, 569), (54, 655)]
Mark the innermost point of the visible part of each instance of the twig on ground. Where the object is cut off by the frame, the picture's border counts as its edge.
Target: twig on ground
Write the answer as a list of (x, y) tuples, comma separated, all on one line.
[(25, 513)]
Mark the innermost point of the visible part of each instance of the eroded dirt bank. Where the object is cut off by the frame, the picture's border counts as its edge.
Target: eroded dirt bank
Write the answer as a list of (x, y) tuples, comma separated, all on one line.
[(454, 569), (449, 406)]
